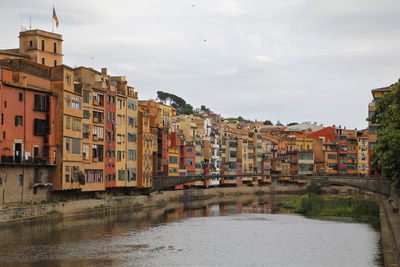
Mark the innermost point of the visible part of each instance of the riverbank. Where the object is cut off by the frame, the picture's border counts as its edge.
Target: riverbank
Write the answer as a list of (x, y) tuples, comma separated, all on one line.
[(112, 205)]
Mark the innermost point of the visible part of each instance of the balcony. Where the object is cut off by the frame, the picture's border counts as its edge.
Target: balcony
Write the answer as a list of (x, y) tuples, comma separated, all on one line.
[(11, 160)]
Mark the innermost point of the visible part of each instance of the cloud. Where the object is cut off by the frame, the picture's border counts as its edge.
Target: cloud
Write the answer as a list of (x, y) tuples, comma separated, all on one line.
[(293, 60)]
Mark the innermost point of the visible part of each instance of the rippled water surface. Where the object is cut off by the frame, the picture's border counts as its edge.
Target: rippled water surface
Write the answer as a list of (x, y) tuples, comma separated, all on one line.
[(250, 232)]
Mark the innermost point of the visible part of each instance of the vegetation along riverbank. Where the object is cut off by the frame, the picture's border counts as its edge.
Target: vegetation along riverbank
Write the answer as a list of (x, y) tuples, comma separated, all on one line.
[(343, 206)]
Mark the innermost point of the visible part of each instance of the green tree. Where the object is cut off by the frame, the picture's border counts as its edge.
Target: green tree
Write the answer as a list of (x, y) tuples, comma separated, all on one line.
[(267, 122), (387, 150), (292, 123)]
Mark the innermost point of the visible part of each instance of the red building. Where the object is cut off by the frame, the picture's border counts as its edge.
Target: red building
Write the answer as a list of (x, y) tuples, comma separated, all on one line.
[(162, 153), (188, 159), (109, 167)]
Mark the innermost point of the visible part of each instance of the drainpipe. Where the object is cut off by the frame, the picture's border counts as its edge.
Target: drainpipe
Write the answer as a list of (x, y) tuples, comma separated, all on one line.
[(23, 150)]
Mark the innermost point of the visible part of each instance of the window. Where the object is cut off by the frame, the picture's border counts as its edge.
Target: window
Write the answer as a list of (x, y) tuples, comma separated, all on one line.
[(30, 44), (55, 47), (131, 137), (41, 103), (86, 114), (86, 96), (75, 173), (76, 124), (132, 105), (98, 132), (2, 118), (68, 79), (76, 102), (232, 165), (4, 134), (131, 154), (173, 160), (86, 131), (55, 63), (21, 180), (372, 130), (94, 176), (97, 153), (5, 104), (67, 173), (85, 151), (98, 116), (332, 156), (189, 161), (68, 100), (119, 156), (35, 151), (67, 122), (132, 121), (131, 174), (18, 120), (189, 150), (121, 175), (119, 103), (21, 97), (68, 144), (232, 154), (42, 45), (98, 99), (43, 60)]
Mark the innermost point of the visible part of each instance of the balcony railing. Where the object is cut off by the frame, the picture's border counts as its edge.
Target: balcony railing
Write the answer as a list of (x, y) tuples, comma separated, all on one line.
[(6, 159)]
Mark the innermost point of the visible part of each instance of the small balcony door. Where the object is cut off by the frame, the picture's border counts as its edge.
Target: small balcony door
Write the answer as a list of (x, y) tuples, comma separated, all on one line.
[(18, 152)]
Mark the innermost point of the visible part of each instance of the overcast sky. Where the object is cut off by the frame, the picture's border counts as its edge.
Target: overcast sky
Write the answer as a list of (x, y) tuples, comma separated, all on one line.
[(291, 60)]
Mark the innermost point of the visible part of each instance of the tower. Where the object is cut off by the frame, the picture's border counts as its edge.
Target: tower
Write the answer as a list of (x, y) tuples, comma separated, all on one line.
[(43, 47)]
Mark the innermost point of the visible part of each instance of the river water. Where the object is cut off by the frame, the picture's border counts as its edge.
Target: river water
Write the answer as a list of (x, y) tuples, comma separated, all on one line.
[(249, 231)]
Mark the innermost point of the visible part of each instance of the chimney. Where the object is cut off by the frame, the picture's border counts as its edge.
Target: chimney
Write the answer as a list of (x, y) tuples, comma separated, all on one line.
[(104, 71)]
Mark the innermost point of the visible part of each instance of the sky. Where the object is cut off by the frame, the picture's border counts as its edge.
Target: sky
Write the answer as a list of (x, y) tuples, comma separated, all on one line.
[(292, 60)]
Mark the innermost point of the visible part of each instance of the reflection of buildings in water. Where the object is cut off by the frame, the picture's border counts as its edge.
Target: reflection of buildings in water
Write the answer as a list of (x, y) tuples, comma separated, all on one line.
[(214, 210)]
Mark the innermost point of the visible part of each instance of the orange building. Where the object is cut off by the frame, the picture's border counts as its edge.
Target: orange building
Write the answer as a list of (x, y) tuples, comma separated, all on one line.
[(27, 132)]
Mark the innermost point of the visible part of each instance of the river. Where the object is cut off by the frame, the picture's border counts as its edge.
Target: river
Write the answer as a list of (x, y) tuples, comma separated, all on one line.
[(248, 232)]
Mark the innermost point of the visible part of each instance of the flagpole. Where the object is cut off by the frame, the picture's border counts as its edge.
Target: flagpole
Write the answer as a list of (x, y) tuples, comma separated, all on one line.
[(52, 21)]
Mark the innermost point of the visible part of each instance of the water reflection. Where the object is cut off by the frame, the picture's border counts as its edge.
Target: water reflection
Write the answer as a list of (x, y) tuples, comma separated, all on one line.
[(238, 230)]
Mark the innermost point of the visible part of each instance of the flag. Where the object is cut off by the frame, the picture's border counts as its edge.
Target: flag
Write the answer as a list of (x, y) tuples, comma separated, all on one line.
[(55, 17)]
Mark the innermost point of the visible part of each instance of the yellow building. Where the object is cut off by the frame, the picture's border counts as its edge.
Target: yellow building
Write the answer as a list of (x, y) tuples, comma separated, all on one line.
[(362, 148), (132, 137), (94, 89), (38, 46), (123, 155), (173, 162), (69, 171), (147, 148)]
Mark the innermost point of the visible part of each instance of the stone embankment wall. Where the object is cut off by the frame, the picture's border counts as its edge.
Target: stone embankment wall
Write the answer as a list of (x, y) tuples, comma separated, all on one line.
[(87, 207)]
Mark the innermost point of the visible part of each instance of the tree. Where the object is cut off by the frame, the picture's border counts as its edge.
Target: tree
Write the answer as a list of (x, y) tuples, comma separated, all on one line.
[(175, 101), (386, 153), (267, 122), (278, 123), (162, 96), (292, 123)]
